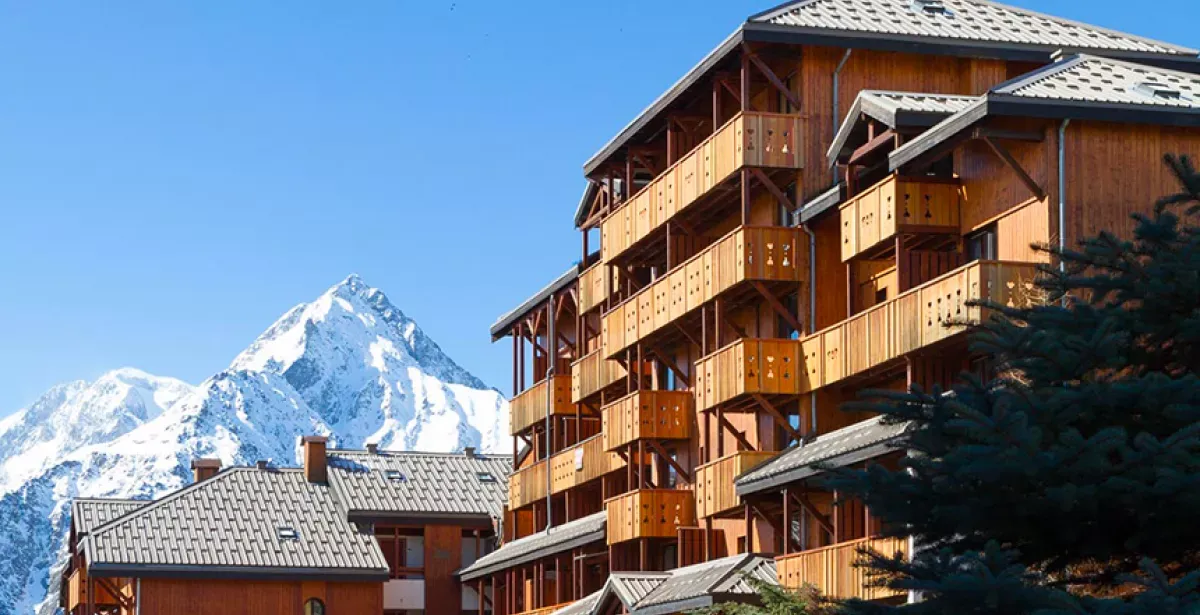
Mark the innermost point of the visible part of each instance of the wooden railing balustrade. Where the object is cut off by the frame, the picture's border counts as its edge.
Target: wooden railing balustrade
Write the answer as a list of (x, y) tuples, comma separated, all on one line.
[(832, 571), (748, 253), (749, 139), (898, 205), (528, 408), (648, 415), (595, 285), (570, 467), (649, 513), (714, 481), (593, 373)]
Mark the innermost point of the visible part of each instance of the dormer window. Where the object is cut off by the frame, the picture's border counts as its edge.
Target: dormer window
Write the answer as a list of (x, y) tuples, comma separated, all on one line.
[(930, 7), (485, 477), (1159, 91), (395, 476), (287, 532)]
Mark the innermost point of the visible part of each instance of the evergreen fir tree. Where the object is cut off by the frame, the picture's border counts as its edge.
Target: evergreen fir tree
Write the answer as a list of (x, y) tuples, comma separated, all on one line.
[(1069, 482), (775, 600)]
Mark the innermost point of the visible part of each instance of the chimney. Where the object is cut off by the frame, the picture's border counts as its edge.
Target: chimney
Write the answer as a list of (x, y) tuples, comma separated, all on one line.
[(262, 464), (314, 459), (373, 448), (204, 469), (469, 451)]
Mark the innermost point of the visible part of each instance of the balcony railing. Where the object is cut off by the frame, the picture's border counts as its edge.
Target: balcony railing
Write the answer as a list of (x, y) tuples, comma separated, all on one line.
[(714, 481), (766, 366), (571, 467), (649, 513), (898, 205), (592, 374), (832, 571), (529, 406), (595, 285), (546, 610), (918, 318), (650, 415), (764, 254), (769, 140)]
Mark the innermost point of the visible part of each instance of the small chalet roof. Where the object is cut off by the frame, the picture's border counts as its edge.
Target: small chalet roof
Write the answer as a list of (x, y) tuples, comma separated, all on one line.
[(536, 546), (242, 523), (964, 28), (411, 484), (583, 606), (858, 442), (897, 110), (682, 589), (500, 328), (1078, 87), (970, 21), (88, 514)]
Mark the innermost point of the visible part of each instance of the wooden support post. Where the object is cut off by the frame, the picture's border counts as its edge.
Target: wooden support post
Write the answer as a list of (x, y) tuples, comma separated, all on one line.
[(777, 306), (716, 104), (643, 554), (787, 522), (745, 196), (662, 453), (744, 80), (781, 420), (749, 527)]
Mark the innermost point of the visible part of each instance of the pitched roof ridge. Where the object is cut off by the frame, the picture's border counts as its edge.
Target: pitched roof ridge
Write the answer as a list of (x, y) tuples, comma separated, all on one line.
[(745, 559), (381, 453), (161, 502), (100, 499), (911, 93)]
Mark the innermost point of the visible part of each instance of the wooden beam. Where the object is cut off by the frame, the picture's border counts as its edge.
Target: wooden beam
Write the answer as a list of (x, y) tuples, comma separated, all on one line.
[(772, 77), (780, 195), (685, 333), (737, 435), (888, 136), (1004, 155), (777, 306), (775, 525), (673, 367), (808, 507), (662, 452), (778, 416), (646, 164)]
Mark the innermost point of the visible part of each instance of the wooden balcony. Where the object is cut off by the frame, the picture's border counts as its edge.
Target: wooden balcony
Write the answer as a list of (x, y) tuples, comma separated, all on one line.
[(714, 481), (77, 588), (649, 415), (649, 513), (831, 569), (747, 366), (529, 406), (592, 374), (767, 255), (546, 610), (569, 468), (898, 206), (913, 320), (764, 140), (595, 285)]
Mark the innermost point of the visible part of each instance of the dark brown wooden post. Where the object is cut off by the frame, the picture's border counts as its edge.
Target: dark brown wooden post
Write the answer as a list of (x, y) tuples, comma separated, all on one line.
[(787, 521), (749, 527)]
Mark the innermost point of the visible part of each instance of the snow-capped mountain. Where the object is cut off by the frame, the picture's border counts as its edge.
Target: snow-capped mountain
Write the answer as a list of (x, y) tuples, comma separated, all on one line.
[(349, 365)]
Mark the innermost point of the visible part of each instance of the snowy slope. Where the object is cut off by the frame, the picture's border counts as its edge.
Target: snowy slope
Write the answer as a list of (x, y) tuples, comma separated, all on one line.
[(349, 365)]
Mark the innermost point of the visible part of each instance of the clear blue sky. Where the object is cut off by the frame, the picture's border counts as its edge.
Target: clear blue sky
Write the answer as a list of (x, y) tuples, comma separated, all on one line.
[(175, 175)]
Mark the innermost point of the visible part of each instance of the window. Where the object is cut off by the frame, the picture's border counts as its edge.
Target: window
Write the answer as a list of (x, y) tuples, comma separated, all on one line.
[(981, 245), (287, 532), (1159, 91), (396, 476), (485, 477), (931, 7), (314, 607)]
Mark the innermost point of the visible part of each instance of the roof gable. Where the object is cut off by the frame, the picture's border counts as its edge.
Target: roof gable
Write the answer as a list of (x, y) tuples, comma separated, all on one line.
[(88, 514), (972, 21)]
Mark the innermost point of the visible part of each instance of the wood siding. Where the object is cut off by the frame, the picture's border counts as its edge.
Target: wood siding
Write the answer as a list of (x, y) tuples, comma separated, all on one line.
[(571, 467), (770, 366), (206, 597), (592, 374), (714, 481), (443, 556), (897, 205), (832, 571), (595, 285)]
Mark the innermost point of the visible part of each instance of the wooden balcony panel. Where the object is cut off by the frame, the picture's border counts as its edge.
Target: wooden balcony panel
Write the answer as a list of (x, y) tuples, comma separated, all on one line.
[(77, 587), (714, 481), (831, 569), (765, 140), (569, 468), (913, 320), (747, 366), (898, 205), (770, 255), (593, 374), (529, 406), (595, 285), (546, 610), (647, 415), (649, 513)]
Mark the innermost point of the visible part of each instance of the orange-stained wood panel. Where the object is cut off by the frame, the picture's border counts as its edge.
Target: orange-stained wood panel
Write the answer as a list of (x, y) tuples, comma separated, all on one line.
[(443, 555), (210, 597)]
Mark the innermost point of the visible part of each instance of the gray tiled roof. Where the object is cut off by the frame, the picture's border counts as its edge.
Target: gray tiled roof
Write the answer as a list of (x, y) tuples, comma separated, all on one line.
[(851, 444), (536, 546), (915, 102), (583, 606), (229, 525), (1087, 78), (682, 589), (434, 484), (502, 324), (911, 110), (965, 20), (88, 514)]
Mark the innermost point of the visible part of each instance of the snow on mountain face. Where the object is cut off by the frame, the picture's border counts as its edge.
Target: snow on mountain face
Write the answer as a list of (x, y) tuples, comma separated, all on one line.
[(348, 365)]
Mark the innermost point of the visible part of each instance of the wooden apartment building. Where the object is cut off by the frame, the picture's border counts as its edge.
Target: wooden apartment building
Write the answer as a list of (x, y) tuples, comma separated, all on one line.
[(360, 532), (797, 219)]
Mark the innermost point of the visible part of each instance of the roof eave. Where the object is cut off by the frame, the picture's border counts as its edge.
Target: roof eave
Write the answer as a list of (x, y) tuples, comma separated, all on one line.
[(152, 571), (773, 482), (503, 324), (470, 573)]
